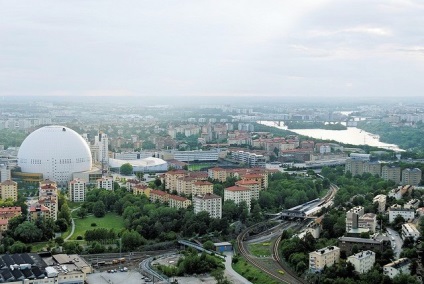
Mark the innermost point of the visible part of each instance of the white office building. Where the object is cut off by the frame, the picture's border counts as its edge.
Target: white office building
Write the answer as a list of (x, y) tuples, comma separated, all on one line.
[(395, 210), (101, 142)]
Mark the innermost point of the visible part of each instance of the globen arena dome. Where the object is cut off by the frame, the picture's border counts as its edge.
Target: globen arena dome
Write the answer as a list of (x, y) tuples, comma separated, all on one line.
[(56, 152)]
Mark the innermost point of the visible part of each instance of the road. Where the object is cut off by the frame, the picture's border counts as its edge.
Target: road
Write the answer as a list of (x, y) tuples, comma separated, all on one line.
[(235, 277), (397, 240)]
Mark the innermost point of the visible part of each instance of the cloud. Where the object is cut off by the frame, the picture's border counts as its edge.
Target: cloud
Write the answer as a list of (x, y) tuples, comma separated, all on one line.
[(227, 48)]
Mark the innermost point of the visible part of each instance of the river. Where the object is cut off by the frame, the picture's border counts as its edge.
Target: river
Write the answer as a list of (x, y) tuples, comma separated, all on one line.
[(351, 135)]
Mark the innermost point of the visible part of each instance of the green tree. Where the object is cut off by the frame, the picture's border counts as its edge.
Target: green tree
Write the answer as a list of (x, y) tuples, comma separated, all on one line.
[(62, 225), (82, 212), (131, 240), (126, 169), (208, 245), (28, 232), (65, 213), (99, 209)]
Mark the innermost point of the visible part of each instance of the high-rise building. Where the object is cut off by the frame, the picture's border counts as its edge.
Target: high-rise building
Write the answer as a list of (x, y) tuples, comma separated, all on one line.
[(210, 203), (238, 194), (411, 176), (76, 190), (381, 200), (105, 183), (391, 172), (48, 197), (102, 142)]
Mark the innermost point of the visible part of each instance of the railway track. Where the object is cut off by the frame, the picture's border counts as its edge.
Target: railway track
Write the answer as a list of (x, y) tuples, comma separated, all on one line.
[(276, 272)]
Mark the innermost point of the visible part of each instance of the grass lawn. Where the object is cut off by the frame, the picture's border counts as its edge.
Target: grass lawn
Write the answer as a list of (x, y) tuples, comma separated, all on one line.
[(36, 247), (252, 274), (197, 167), (261, 249), (73, 205), (109, 221)]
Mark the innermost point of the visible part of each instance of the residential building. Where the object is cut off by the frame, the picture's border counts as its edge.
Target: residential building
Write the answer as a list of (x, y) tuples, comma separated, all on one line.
[(140, 189), (395, 210), (38, 211), (413, 203), (218, 174), (402, 265), (323, 258), (362, 261), (373, 168), (249, 159), (400, 191), (238, 194), (254, 186), (5, 173), (77, 190), (171, 178), (381, 200), (202, 188), (160, 195), (105, 183), (9, 190), (391, 172), (185, 185), (48, 197), (197, 155), (409, 230), (7, 213), (178, 202), (411, 176), (210, 203), (131, 183), (354, 166)]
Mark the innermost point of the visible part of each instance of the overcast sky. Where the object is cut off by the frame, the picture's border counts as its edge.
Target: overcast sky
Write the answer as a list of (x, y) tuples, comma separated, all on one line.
[(304, 48)]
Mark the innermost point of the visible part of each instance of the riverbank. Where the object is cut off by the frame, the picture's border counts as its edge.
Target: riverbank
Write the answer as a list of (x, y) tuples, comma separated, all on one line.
[(352, 135)]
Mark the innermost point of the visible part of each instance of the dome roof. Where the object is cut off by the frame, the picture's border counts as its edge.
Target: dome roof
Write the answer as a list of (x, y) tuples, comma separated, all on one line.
[(55, 151)]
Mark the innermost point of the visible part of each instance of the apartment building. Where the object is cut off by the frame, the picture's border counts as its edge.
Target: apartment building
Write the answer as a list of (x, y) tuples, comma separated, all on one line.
[(348, 243), (171, 178), (238, 194), (48, 197), (411, 176), (412, 204), (160, 195), (77, 190), (7, 213), (202, 188), (323, 257), (381, 200), (373, 168), (362, 261), (218, 174), (105, 183), (409, 230), (402, 265), (354, 166), (253, 185), (178, 202), (396, 210), (140, 189), (9, 190), (185, 185), (38, 211), (210, 203), (391, 172), (249, 159)]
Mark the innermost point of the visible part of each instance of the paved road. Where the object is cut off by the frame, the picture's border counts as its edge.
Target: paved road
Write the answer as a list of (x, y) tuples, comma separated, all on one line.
[(396, 240), (72, 223), (235, 277)]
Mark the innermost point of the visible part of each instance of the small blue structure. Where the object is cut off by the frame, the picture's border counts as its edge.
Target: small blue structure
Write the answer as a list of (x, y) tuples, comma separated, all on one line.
[(223, 247)]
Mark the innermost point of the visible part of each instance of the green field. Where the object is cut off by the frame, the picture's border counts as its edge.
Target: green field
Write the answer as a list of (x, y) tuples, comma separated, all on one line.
[(109, 221), (197, 167), (252, 274), (260, 250)]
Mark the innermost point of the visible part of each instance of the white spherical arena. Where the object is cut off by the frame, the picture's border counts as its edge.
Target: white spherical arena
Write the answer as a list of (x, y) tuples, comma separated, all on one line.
[(56, 152)]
